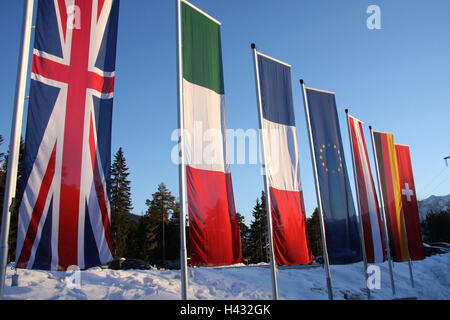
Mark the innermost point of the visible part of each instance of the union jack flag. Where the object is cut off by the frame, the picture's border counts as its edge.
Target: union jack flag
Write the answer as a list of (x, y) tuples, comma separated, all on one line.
[(64, 214)]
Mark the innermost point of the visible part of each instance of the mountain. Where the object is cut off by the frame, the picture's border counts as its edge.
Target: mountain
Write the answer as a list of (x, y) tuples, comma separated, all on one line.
[(433, 203)]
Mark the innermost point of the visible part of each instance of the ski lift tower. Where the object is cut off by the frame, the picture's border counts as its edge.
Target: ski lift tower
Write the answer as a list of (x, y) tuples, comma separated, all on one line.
[(446, 158)]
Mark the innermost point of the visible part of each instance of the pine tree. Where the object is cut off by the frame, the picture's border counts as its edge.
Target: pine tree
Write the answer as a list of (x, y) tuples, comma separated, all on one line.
[(245, 237), (173, 234), (146, 239), (314, 235), (14, 219), (160, 208), (258, 241), (436, 227), (121, 204), (2, 176), (1, 154)]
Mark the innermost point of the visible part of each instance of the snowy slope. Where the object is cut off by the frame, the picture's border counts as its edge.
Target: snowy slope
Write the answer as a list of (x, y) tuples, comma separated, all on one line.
[(434, 203), (432, 281)]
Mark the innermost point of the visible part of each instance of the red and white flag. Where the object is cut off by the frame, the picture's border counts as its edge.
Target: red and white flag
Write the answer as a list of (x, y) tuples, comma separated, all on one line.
[(368, 202), (409, 202)]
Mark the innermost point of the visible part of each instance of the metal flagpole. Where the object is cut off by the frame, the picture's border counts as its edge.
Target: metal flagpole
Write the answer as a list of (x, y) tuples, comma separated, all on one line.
[(410, 271), (409, 252), (14, 142), (319, 199), (181, 166), (361, 229), (386, 234), (273, 265)]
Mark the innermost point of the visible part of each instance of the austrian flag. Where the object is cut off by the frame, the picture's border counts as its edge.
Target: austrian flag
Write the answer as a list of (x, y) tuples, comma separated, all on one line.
[(64, 215)]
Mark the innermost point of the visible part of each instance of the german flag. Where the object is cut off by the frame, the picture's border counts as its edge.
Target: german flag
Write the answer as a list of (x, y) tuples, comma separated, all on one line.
[(392, 194)]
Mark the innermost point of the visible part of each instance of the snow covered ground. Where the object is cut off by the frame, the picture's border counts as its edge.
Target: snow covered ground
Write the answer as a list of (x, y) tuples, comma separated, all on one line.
[(432, 281)]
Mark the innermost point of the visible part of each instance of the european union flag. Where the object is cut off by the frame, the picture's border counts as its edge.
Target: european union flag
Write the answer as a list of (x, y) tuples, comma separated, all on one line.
[(341, 224)]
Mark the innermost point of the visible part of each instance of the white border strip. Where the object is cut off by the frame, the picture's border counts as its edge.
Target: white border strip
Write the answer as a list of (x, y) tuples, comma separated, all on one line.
[(320, 90), (354, 118), (202, 12), (271, 58), (382, 131)]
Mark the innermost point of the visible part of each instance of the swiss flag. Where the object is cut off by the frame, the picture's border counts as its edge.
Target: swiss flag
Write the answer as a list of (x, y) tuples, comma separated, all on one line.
[(409, 202)]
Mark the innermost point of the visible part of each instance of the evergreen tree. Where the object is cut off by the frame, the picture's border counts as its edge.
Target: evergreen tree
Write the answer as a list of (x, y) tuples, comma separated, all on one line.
[(145, 239), (160, 208), (173, 234), (1, 154), (14, 219), (121, 204), (315, 237), (258, 244), (245, 237), (133, 240), (2, 176), (436, 227)]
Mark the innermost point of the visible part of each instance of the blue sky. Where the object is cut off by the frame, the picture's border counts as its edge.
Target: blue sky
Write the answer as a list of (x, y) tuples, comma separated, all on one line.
[(396, 79)]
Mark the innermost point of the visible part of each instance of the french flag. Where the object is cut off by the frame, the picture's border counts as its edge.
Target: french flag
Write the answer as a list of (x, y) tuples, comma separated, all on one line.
[(290, 238)]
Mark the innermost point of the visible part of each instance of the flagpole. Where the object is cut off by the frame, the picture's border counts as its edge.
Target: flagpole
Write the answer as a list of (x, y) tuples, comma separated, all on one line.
[(319, 199), (361, 229), (409, 251), (273, 266), (181, 166), (14, 142), (386, 237)]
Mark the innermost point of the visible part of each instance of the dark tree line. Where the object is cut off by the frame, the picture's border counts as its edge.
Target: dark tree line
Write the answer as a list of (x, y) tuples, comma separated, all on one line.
[(436, 227), (255, 241), (12, 239), (155, 236)]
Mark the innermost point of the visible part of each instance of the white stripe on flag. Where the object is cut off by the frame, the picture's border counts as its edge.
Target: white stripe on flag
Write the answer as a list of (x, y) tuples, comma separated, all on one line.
[(373, 215), (283, 167), (204, 128)]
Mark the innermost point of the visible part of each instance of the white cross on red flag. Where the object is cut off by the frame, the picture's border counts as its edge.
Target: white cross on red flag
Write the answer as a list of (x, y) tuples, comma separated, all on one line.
[(409, 202)]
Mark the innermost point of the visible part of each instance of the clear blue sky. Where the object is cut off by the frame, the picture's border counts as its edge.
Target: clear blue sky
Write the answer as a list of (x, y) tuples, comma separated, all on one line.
[(396, 79)]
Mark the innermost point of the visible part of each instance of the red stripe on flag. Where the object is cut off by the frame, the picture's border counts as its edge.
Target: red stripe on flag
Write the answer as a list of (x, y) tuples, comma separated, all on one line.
[(73, 140), (365, 181), (363, 199), (409, 201), (390, 196), (38, 210), (63, 15), (372, 185), (291, 243), (101, 196), (213, 227)]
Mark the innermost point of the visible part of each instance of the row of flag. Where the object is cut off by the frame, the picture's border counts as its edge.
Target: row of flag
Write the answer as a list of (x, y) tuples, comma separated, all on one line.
[(65, 215)]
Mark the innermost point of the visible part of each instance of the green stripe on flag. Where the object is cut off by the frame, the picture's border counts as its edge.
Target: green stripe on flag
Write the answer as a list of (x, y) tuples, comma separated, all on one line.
[(202, 51)]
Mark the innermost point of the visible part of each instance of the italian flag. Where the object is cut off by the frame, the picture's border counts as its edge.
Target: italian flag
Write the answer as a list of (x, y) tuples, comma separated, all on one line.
[(213, 227)]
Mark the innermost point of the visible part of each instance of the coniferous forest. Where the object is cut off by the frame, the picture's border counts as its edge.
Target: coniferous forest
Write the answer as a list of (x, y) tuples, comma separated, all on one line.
[(154, 236)]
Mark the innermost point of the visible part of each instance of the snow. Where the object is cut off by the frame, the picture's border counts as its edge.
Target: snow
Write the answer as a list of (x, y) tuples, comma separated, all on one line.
[(434, 203), (431, 276)]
